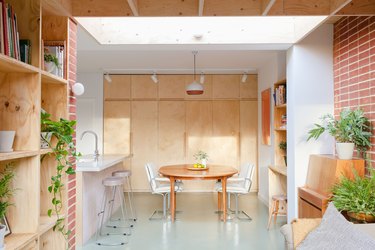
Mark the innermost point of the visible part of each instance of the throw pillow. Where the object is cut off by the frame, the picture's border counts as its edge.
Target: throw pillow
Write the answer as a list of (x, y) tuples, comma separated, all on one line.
[(335, 232)]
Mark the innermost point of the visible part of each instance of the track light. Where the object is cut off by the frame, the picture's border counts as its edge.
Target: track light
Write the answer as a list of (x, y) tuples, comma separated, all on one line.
[(244, 77), (201, 79), (154, 78), (108, 77)]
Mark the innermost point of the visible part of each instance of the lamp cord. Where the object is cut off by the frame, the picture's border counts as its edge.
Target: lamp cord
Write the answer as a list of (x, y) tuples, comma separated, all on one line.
[(194, 65)]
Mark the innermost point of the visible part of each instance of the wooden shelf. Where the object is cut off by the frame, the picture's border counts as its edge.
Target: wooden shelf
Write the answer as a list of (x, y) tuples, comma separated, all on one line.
[(11, 65), (280, 129), (46, 223), (281, 106), (17, 154), (19, 241), (44, 151), (52, 79), (279, 169)]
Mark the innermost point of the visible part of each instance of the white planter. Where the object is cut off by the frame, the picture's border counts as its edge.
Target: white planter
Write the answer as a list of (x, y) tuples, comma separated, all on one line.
[(2, 235), (50, 67), (345, 150), (6, 141), (45, 138), (204, 162)]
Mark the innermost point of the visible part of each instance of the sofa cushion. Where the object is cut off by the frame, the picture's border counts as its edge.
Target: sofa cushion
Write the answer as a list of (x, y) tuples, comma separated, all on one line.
[(335, 232), (302, 227)]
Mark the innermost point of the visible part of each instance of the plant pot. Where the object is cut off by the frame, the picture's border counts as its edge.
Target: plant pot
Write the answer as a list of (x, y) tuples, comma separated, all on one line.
[(6, 141), (362, 217), (50, 67), (204, 162), (2, 235), (45, 139), (345, 150)]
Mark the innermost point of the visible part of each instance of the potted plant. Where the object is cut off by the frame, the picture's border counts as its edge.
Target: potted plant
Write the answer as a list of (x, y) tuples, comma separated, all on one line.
[(283, 147), (202, 157), (63, 150), (6, 192), (45, 131), (351, 129), (356, 196), (51, 62)]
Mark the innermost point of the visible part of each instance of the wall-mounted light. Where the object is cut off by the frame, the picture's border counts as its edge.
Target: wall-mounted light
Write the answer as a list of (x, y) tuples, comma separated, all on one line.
[(201, 79), (107, 77), (154, 78), (244, 77), (78, 89)]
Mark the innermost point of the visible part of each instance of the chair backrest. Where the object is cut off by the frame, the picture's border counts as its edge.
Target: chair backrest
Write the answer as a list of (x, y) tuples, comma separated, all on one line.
[(246, 172), (150, 170)]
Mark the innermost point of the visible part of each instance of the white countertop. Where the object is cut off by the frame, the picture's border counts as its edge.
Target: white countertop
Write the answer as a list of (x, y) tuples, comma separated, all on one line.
[(87, 163)]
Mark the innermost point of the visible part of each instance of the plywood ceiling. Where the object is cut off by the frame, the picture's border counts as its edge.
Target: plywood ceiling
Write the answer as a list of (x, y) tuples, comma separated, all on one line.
[(217, 7)]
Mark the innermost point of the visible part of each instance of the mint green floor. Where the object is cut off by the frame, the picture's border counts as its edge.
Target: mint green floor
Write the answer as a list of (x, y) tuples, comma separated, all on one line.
[(198, 227)]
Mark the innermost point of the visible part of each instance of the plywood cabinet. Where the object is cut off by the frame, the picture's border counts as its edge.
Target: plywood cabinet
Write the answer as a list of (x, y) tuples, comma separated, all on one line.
[(119, 88), (169, 127)]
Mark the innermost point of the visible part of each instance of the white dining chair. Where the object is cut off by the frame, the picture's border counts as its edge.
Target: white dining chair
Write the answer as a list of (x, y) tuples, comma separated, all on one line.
[(239, 185), (160, 185)]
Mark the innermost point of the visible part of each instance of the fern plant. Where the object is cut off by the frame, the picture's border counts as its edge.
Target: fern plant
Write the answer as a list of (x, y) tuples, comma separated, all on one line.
[(6, 190)]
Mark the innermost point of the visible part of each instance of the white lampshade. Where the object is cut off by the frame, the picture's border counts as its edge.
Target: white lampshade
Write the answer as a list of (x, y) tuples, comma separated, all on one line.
[(78, 89), (194, 88)]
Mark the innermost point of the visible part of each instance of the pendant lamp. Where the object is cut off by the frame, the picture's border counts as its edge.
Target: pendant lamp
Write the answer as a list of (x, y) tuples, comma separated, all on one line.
[(194, 88)]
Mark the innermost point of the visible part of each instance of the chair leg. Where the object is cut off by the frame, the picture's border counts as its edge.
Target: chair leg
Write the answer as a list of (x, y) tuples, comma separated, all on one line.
[(270, 215), (163, 212), (237, 212)]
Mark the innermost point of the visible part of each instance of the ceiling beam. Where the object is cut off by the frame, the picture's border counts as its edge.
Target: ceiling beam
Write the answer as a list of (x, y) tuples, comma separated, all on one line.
[(201, 7), (266, 6), (358, 7), (337, 5), (134, 7)]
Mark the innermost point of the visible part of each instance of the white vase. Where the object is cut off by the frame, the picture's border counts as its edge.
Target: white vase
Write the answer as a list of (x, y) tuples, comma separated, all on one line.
[(204, 162), (2, 235), (345, 150), (49, 67), (6, 141), (45, 138)]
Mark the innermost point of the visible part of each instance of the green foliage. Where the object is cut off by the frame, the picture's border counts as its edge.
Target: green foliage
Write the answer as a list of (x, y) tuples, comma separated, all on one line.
[(6, 190), (282, 145), (51, 58), (352, 126), (357, 195), (65, 153), (200, 155)]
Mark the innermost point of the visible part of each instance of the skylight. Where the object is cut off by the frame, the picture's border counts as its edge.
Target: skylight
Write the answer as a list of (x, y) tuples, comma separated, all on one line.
[(199, 30)]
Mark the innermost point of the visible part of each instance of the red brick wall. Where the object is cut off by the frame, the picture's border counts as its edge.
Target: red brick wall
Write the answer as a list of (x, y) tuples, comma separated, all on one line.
[(354, 67), (72, 59)]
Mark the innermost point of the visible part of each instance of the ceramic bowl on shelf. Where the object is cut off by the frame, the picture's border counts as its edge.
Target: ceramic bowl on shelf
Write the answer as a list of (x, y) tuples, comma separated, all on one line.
[(6, 141)]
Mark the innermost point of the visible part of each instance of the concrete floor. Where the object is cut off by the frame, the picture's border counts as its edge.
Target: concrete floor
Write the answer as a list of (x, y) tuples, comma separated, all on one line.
[(198, 227)]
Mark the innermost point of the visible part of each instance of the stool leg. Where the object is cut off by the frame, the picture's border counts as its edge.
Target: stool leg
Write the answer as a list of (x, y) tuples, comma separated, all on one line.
[(112, 201), (270, 215), (101, 216), (131, 199)]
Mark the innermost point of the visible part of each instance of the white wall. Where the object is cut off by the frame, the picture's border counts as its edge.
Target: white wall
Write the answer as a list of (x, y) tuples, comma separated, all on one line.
[(309, 95), (271, 72), (90, 112)]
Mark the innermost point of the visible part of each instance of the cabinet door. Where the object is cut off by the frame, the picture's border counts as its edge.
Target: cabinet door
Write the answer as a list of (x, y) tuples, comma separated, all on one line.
[(52, 240), (225, 137), (249, 136), (142, 87), (171, 86), (144, 140), (117, 127), (119, 88), (226, 86), (171, 146), (249, 88)]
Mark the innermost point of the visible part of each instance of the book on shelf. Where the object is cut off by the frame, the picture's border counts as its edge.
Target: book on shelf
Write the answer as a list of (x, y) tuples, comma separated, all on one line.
[(56, 49), (9, 35), (25, 50), (280, 95)]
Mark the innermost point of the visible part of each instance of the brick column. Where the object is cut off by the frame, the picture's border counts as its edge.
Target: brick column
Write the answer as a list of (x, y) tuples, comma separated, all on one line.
[(354, 67), (71, 186)]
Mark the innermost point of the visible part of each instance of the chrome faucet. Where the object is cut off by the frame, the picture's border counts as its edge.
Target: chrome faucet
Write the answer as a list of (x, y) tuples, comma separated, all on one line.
[(96, 152)]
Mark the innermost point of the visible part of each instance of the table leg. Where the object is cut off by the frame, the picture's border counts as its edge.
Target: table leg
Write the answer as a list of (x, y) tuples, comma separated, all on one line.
[(224, 197), (173, 199), (219, 201)]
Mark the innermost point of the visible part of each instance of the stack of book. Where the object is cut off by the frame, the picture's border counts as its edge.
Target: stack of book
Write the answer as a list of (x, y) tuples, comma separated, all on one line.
[(280, 95), (9, 36)]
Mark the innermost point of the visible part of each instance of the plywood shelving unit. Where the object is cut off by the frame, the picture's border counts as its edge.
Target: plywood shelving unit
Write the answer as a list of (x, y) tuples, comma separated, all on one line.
[(24, 90), (277, 173)]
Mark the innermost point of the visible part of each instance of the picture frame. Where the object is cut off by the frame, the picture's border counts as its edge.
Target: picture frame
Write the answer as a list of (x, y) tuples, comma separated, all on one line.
[(4, 221)]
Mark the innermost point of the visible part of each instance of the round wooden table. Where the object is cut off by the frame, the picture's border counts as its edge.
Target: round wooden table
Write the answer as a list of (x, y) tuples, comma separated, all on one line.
[(214, 172)]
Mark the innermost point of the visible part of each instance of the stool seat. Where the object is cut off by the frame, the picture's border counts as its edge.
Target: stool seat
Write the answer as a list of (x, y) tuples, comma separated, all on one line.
[(122, 173), (279, 197), (112, 181)]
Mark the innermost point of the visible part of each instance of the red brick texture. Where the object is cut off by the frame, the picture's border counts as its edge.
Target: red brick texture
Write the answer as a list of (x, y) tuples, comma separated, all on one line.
[(354, 67), (72, 59)]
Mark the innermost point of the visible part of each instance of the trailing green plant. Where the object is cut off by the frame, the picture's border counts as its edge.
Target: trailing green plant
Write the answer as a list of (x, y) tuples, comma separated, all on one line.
[(6, 190), (282, 145), (51, 58), (357, 195), (352, 126), (200, 155), (65, 153)]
